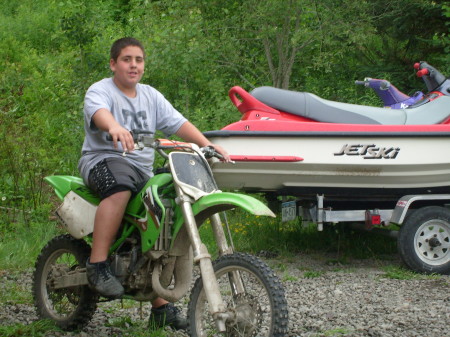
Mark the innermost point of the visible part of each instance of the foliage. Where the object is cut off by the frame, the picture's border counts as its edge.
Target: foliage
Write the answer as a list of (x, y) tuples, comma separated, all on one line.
[(20, 243), (257, 234), (51, 51), (34, 329), (399, 273)]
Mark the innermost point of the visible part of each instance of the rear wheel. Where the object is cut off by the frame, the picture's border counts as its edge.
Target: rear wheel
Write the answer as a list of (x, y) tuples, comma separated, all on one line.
[(260, 310), (424, 240), (70, 308)]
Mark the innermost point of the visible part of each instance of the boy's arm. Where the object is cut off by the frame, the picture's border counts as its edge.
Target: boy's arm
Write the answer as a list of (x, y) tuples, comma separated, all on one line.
[(191, 134), (104, 120)]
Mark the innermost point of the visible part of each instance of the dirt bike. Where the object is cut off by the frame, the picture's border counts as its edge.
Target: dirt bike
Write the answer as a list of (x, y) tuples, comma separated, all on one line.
[(153, 254)]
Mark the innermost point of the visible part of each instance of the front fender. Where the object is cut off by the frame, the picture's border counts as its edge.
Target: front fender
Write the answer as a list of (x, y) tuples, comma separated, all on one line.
[(248, 203), (222, 201)]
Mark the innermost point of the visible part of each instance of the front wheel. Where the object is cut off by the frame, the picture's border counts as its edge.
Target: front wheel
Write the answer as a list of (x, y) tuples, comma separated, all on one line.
[(424, 240), (260, 307), (72, 307)]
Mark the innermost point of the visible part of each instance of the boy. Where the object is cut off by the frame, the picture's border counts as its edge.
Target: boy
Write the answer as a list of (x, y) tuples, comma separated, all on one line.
[(115, 106)]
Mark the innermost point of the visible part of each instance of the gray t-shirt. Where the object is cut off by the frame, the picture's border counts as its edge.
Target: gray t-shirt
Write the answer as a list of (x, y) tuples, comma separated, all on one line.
[(148, 111)]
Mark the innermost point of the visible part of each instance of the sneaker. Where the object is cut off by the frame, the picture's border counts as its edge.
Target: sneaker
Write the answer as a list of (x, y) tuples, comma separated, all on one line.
[(167, 315), (101, 279)]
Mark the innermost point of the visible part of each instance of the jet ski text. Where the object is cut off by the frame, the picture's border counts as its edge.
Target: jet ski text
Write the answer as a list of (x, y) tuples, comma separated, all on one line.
[(368, 151)]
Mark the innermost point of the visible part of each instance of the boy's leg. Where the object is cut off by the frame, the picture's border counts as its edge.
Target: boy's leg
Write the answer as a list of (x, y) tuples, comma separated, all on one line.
[(114, 179), (107, 221), (164, 313)]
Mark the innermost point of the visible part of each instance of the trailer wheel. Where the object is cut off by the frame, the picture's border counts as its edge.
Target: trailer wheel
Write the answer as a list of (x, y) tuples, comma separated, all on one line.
[(424, 240)]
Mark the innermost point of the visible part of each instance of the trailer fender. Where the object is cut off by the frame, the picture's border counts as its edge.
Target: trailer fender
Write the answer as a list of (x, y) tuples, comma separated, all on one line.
[(403, 204)]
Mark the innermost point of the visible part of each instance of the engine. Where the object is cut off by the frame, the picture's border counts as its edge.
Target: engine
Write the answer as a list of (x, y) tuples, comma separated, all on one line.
[(131, 268)]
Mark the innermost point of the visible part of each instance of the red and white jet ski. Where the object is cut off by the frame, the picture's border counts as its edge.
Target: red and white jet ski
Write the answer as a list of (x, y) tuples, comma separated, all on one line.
[(298, 144), (367, 166)]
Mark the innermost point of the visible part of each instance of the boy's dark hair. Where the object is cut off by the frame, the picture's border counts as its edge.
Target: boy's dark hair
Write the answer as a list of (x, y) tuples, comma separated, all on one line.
[(124, 42)]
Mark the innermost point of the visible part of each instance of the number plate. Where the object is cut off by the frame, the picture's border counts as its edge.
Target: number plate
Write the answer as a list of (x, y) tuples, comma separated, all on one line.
[(288, 211)]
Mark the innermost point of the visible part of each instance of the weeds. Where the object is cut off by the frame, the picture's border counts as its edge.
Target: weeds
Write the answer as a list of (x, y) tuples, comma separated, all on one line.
[(337, 332), (255, 234), (20, 244), (399, 273), (34, 329), (286, 277), (313, 274), (13, 291)]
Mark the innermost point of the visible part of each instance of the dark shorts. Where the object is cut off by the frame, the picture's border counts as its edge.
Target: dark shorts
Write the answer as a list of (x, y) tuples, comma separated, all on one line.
[(112, 175)]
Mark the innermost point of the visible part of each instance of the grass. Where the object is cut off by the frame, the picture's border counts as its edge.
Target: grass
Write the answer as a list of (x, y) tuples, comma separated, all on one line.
[(286, 277), (35, 329), (400, 273), (312, 274), (337, 332), (128, 328), (254, 234), (20, 245), (12, 291)]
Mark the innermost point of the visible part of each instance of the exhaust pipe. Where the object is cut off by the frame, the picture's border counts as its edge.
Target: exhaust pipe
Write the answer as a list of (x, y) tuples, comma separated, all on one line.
[(182, 272)]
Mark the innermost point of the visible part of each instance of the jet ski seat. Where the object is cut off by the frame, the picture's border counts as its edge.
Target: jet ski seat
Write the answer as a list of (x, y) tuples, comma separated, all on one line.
[(313, 107)]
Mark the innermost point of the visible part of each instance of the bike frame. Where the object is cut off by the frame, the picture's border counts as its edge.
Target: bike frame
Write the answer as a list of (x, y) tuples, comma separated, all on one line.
[(166, 204), (202, 209)]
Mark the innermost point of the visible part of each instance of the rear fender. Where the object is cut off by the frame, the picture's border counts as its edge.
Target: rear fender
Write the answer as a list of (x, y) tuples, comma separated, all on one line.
[(65, 184), (223, 201), (61, 184)]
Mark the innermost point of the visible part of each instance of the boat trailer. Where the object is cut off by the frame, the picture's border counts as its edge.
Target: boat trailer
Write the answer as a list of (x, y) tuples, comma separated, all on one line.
[(424, 236)]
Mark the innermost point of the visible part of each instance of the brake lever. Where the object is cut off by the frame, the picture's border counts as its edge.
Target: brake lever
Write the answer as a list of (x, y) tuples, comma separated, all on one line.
[(210, 152)]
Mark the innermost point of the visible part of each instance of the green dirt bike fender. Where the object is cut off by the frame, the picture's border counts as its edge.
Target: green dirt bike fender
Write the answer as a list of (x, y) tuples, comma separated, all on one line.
[(64, 184), (221, 201), (135, 206)]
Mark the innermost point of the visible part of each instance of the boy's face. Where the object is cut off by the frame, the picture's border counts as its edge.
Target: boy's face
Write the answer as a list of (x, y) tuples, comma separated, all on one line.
[(129, 67)]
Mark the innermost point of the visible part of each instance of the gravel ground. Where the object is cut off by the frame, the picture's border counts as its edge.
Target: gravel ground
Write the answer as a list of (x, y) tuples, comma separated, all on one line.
[(325, 299)]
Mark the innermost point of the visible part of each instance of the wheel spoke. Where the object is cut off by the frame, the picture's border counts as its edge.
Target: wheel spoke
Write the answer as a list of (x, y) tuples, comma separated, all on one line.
[(433, 242), (60, 256), (254, 310)]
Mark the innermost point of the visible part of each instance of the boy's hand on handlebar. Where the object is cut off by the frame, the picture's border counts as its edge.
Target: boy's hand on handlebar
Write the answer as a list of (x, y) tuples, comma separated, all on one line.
[(221, 150), (122, 135)]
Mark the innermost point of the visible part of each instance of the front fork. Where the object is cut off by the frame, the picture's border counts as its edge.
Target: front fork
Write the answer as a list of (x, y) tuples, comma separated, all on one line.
[(216, 306), (236, 283)]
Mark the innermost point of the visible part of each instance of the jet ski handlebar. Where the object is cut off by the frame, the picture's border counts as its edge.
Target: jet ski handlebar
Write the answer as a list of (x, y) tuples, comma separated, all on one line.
[(430, 75)]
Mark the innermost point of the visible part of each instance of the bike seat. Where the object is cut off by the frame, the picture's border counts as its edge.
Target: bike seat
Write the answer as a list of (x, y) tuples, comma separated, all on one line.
[(313, 107)]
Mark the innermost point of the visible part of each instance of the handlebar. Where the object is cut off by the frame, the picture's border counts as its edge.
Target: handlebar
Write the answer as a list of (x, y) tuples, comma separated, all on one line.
[(374, 83), (431, 76), (144, 139), (135, 133), (210, 152)]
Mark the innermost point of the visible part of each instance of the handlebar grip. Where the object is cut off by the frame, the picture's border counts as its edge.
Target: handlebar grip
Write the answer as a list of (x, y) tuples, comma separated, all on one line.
[(134, 133), (209, 152), (423, 72), (360, 82)]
